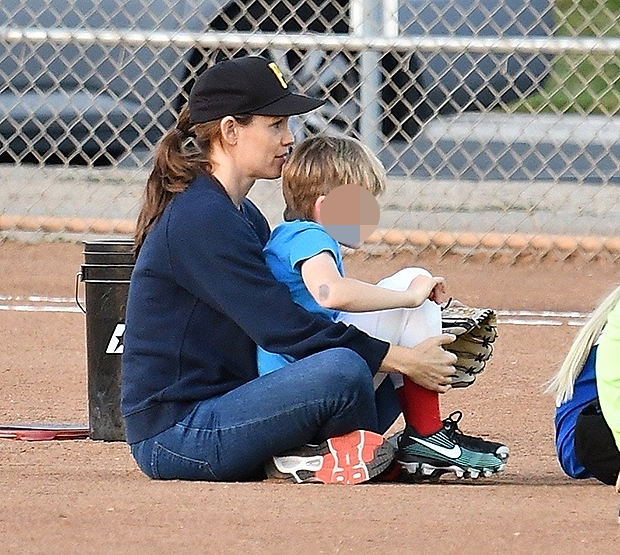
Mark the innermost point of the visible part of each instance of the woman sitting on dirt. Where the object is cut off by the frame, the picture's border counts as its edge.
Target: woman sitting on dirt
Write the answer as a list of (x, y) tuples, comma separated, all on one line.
[(202, 297), (587, 390)]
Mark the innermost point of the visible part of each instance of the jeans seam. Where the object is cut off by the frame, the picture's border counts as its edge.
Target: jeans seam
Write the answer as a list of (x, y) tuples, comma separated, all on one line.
[(288, 410)]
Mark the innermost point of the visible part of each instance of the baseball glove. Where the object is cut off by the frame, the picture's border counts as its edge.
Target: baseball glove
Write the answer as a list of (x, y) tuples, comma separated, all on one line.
[(475, 330)]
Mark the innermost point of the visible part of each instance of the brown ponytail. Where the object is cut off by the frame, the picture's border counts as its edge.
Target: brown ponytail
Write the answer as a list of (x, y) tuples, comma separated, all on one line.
[(182, 154)]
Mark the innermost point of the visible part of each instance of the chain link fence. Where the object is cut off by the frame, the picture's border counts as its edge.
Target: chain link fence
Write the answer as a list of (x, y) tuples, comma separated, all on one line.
[(497, 121)]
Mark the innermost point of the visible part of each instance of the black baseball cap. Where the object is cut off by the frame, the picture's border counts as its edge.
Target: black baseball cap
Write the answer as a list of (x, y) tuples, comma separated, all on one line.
[(248, 85)]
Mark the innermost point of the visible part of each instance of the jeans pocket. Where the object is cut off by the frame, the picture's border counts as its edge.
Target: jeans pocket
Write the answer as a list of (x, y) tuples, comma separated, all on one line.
[(168, 465)]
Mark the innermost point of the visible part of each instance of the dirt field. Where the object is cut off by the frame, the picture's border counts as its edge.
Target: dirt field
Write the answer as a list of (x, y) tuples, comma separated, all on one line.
[(89, 497)]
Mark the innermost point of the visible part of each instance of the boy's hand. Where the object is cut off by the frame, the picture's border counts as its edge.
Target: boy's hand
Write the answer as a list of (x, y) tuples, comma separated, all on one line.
[(424, 287), (439, 294)]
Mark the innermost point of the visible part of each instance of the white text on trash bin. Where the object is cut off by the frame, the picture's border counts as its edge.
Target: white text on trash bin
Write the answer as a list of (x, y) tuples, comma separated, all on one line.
[(115, 346)]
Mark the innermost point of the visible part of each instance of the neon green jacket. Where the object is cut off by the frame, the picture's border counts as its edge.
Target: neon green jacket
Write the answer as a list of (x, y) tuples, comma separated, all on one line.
[(608, 372)]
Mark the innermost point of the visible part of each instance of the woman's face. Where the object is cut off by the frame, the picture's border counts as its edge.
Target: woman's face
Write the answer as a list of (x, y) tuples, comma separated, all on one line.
[(263, 146)]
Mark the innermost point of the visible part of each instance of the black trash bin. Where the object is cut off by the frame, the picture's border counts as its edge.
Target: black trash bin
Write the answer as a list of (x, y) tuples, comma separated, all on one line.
[(106, 273)]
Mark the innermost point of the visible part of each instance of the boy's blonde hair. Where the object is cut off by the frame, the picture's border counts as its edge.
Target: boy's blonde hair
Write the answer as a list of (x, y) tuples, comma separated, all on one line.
[(321, 163), (563, 382)]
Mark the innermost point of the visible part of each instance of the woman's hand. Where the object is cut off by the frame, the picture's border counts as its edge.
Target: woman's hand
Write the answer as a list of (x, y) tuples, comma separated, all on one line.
[(618, 483), (426, 364)]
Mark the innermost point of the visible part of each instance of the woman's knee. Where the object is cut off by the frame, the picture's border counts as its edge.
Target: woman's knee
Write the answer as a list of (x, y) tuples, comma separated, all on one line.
[(344, 394), (345, 367)]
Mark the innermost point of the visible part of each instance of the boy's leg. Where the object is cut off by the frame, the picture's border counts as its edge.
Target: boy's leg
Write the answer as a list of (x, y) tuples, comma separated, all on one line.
[(428, 445), (420, 405), (322, 397), (406, 327)]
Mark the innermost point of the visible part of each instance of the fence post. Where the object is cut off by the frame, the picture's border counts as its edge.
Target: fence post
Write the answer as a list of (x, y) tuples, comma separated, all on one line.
[(367, 21)]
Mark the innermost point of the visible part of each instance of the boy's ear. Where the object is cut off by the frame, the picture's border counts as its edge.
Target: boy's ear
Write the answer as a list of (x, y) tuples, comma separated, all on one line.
[(317, 208), (228, 129)]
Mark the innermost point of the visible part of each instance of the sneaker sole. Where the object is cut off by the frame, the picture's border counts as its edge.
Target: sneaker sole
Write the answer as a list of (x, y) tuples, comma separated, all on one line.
[(430, 471), (353, 458)]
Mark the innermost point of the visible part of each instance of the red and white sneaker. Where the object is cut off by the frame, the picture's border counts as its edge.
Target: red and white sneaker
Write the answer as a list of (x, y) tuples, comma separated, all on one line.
[(353, 458)]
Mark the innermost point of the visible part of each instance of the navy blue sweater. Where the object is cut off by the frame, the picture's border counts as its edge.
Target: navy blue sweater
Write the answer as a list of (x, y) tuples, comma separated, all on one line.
[(201, 298)]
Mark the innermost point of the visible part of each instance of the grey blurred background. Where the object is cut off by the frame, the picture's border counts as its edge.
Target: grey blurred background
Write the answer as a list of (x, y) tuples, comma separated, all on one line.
[(490, 117)]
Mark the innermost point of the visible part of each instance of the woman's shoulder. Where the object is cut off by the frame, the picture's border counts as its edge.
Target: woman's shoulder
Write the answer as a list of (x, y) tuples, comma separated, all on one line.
[(203, 209), (203, 197), (207, 188)]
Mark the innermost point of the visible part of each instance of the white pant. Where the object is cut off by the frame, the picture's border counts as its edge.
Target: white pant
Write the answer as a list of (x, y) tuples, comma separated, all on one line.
[(399, 326)]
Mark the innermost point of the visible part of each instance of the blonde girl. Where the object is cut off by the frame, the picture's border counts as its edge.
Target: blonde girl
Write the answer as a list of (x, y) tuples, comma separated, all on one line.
[(585, 444)]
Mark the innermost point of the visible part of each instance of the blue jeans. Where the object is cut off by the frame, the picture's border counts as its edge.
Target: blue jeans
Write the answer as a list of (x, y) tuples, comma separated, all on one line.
[(230, 437)]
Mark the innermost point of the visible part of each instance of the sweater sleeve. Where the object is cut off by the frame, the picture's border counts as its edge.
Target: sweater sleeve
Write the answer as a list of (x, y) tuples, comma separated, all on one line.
[(217, 256), (608, 372)]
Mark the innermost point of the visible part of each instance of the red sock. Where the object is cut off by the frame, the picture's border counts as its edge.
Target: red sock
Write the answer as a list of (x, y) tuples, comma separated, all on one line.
[(420, 407)]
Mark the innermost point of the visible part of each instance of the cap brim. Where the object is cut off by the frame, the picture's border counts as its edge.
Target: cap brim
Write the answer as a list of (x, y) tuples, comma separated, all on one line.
[(290, 105)]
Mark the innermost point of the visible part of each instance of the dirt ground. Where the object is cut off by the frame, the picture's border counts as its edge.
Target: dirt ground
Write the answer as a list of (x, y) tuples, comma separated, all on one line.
[(83, 496)]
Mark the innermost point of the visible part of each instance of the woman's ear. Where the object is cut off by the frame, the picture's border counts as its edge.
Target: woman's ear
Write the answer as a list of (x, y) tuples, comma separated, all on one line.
[(317, 209), (228, 129)]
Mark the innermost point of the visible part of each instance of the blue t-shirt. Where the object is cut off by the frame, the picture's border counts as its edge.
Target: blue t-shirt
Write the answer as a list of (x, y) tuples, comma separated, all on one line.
[(290, 244), (566, 415)]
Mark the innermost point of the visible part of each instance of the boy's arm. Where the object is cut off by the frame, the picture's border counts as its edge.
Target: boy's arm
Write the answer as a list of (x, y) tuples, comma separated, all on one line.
[(331, 290)]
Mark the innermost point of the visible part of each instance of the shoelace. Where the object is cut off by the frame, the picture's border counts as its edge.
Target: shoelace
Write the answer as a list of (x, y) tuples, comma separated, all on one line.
[(451, 425)]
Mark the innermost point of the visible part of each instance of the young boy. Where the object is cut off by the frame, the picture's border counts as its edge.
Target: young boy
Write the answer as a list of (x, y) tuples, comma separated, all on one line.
[(402, 309)]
